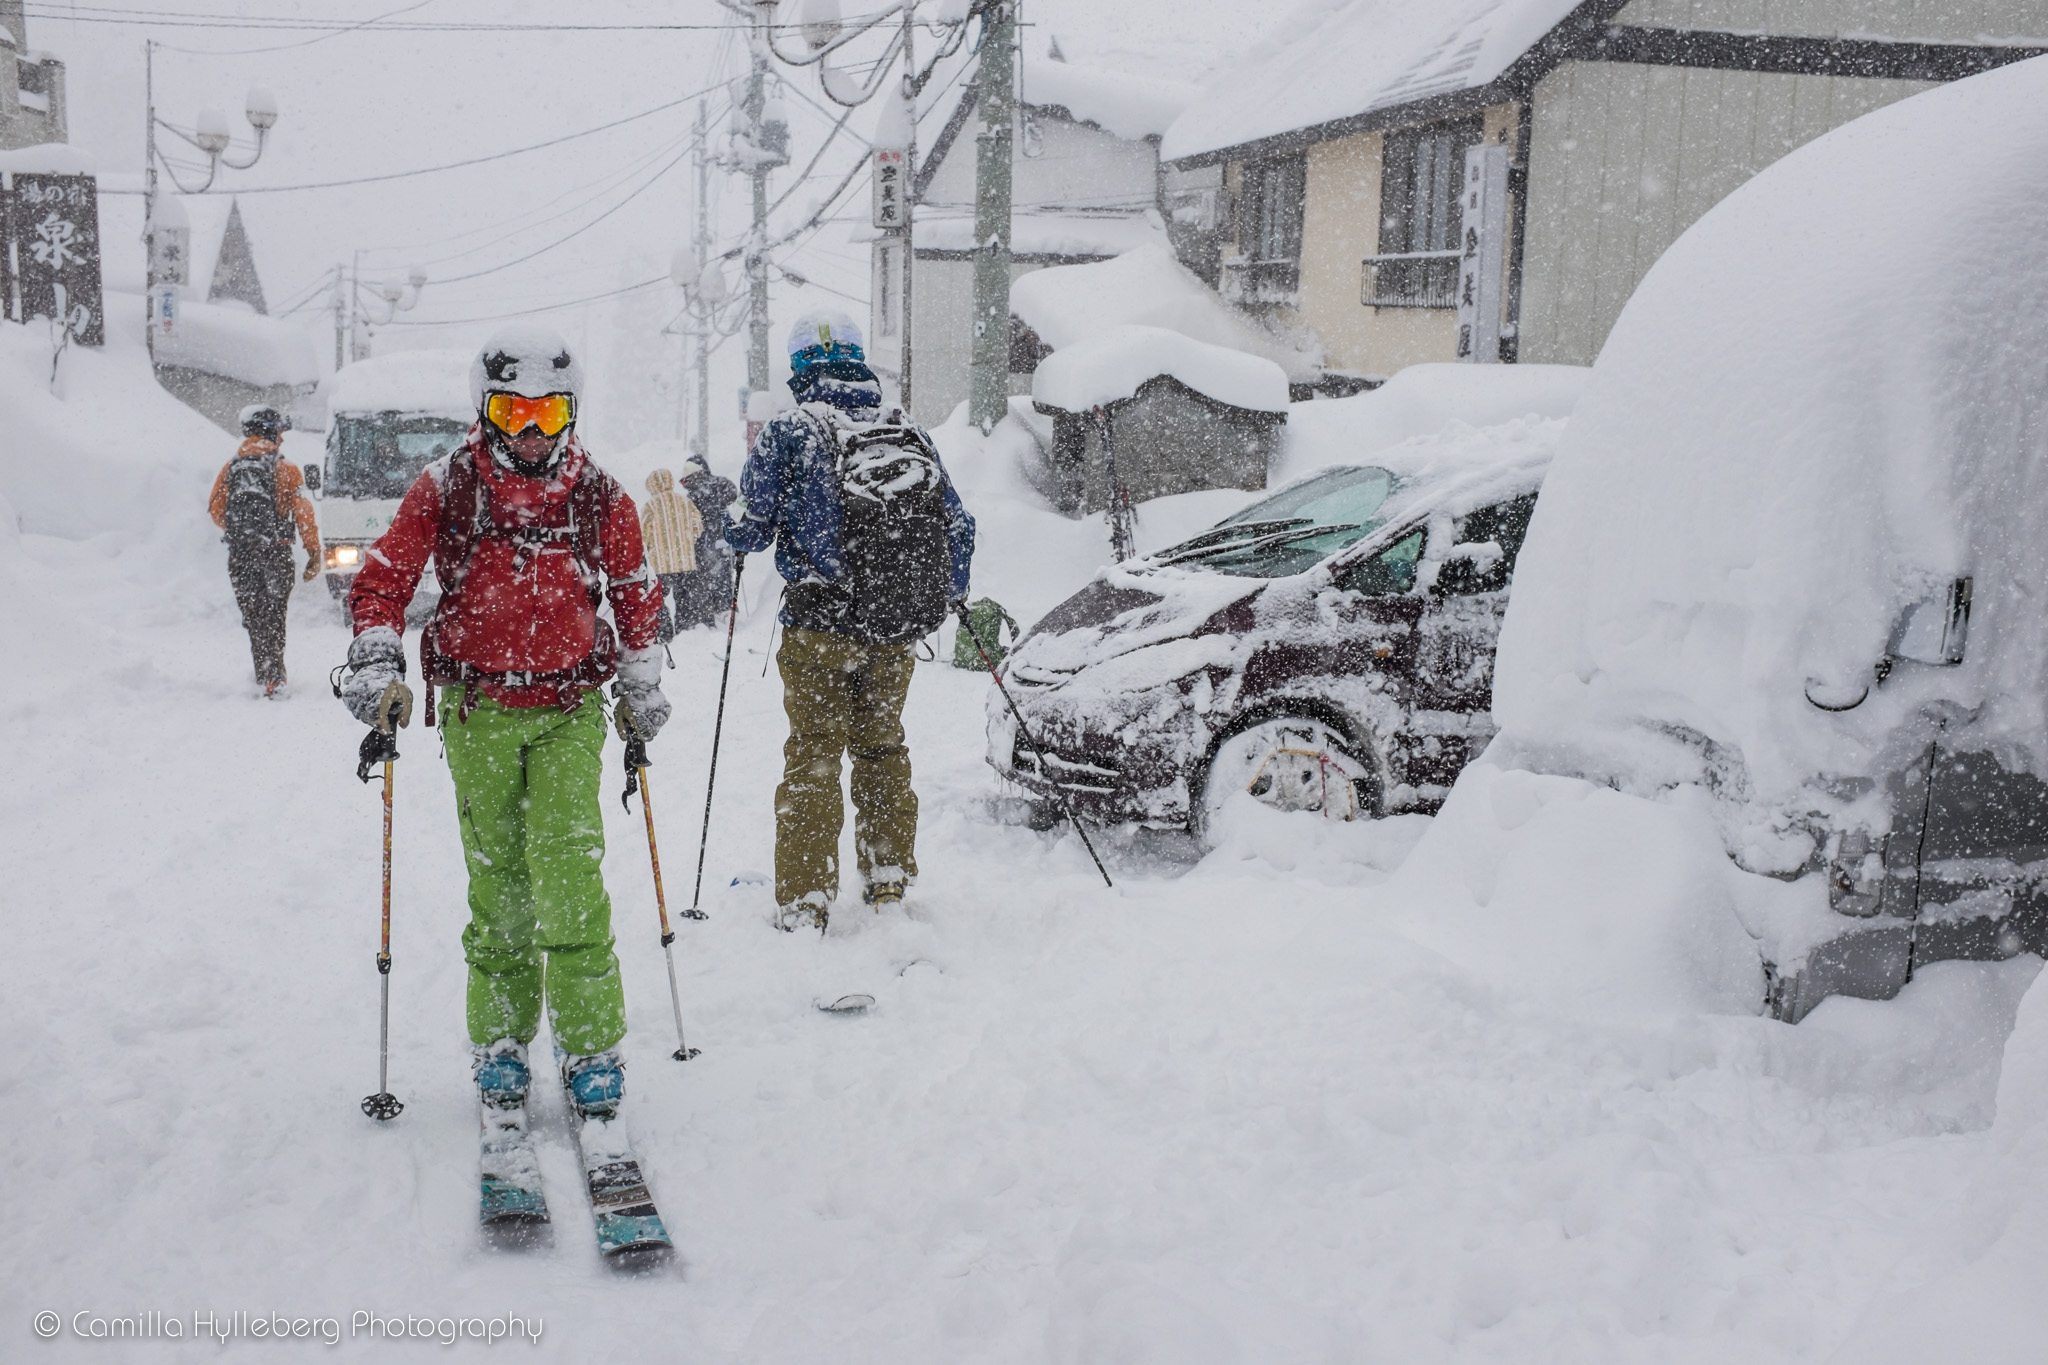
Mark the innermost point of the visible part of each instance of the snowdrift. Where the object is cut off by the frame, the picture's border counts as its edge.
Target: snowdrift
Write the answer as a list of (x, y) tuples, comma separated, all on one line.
[(1825, 402)]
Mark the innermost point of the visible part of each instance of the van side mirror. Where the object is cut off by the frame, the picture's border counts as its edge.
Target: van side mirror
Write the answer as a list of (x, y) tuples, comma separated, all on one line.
[(312, 473), (1935, 630)]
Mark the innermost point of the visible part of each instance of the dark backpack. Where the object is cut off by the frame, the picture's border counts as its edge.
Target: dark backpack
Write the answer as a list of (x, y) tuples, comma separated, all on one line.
[(894, 541), (253, 517)]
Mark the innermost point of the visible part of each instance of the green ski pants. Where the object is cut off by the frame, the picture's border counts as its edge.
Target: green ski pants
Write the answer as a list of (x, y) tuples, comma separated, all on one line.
[(526, 791), (842, 696)]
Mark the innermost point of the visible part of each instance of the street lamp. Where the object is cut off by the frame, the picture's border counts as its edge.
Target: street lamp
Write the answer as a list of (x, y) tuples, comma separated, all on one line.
[(706, 293), (209, 135), (351, 310)]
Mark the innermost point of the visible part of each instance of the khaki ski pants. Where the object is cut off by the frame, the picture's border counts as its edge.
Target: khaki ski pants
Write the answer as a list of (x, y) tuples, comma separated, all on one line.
[(843, 696)]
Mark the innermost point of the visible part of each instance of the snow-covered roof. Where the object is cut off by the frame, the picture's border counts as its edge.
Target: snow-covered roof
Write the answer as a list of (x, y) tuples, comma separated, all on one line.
[(1826, 401), (427, 381), (1042, 233), (1145, 286), (230, 338), (1338, 59), (1113, 364), (46, 158), (123, 260), (1119, 102)]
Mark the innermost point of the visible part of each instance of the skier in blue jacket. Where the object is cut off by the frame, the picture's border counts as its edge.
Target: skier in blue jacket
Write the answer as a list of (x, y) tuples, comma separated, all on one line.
[(843, 693)]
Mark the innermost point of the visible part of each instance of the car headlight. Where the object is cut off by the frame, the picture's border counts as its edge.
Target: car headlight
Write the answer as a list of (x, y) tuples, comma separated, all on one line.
[(344, 556)]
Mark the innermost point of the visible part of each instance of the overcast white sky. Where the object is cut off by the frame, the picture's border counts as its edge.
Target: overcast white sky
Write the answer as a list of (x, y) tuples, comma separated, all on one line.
[(372, 101)]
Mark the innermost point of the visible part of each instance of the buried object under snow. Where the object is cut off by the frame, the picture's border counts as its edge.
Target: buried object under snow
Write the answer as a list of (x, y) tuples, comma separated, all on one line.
[(1793, 549)]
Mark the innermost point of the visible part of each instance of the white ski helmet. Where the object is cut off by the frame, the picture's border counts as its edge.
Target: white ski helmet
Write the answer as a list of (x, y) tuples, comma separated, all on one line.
[(825, 334), (531, 361), (527, 359)]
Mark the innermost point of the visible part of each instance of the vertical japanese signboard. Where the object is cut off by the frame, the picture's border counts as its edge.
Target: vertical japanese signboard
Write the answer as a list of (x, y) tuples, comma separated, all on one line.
[(55, 223), (891, 204), (1482, 254)]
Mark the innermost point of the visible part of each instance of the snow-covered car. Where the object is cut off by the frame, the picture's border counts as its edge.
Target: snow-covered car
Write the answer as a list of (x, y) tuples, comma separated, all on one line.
[(1790, 575), (389, 417), (1328, 648)]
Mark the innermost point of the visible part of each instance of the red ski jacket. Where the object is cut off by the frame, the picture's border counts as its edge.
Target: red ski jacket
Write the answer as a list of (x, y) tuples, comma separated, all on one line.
[(517, 597)]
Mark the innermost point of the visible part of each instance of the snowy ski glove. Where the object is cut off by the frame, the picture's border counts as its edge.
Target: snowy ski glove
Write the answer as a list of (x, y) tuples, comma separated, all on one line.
[(374, 690), (639, 692)]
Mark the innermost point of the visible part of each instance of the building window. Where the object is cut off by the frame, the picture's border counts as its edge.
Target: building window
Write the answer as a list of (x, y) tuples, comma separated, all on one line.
[(1271, 198), (1421, 172)]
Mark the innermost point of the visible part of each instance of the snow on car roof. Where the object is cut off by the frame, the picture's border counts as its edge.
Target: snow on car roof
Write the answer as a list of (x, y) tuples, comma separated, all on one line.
[(1111, 365), (431, 381), (1826, 401)]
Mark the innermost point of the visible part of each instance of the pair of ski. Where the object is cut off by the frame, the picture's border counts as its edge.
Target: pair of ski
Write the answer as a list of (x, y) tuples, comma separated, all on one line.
[(512, 1209)]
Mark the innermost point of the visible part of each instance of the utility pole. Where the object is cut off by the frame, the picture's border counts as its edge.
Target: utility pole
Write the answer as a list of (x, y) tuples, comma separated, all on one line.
[(701, 327), (340, 315), (906, 236), (996, 89), (757, 174)]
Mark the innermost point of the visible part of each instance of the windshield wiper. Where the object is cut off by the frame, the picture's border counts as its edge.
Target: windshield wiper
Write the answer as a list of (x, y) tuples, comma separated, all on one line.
[(1225, 534), (1270, 540)]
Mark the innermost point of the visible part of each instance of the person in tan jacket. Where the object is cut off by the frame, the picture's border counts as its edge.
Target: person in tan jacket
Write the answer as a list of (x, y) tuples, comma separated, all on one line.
[(258, 501), (670, 529)]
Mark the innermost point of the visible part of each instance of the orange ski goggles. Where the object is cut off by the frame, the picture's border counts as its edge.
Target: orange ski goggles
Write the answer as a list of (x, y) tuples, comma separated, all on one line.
[(512, 414)]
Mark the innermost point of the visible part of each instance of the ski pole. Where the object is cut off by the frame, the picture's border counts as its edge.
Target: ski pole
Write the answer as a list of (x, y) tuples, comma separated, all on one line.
[(732, 621), (636, 768), (381, 746), (960, 610), (384, 1106)]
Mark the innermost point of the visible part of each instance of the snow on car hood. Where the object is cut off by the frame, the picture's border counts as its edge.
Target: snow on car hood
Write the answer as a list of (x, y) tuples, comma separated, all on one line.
[(1127, 609), (1828, 399)]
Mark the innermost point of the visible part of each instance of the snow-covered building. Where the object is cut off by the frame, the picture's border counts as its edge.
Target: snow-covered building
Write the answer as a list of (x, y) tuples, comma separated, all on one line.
[(1336, 150), (1086, 187), (31, 85), (224, 351)]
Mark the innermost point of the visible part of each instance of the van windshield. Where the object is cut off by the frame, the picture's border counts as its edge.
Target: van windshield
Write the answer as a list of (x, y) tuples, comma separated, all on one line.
[(379, 455), (1293, 530)]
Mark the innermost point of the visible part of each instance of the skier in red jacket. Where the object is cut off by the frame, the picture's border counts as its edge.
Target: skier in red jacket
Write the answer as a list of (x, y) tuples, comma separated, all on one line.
[(526, 537)]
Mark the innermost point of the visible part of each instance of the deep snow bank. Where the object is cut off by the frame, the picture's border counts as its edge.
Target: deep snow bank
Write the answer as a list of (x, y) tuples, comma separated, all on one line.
[(105, 451), (1422, 400), (1828, 398), (1973, 1293)]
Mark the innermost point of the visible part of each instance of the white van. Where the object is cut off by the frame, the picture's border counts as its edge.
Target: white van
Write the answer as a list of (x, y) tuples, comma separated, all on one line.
[(389, 417)]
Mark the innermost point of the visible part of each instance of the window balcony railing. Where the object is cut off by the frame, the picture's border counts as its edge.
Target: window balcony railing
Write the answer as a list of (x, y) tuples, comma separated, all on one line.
[(1411, 279), (1251, 282)]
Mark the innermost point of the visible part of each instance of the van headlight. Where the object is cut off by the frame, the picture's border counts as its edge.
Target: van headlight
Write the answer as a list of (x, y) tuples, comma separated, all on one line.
[(344, 556)]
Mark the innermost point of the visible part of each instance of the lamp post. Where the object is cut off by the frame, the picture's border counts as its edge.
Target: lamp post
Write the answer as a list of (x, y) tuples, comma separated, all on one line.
[(209, 135), (352, 314), (823, 31)]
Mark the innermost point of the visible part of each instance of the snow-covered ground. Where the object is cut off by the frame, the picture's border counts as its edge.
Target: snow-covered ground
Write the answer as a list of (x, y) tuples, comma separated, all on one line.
[(1305, 1100)]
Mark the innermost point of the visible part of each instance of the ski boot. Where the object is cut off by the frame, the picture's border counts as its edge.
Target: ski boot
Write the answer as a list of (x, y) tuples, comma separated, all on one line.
[(809, 913), (596, 1083), (882, 895), (501, 1073)]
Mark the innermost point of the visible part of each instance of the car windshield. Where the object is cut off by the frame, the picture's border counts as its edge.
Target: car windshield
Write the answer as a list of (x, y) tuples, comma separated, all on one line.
[(378, 456), (1293, 530)]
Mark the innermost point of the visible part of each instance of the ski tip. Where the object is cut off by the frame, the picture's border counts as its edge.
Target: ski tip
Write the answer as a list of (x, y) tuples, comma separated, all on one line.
[(856, 1003)]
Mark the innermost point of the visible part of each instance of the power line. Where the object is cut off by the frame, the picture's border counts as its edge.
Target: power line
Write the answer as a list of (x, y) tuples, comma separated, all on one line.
[(121, 15), (643, 187), (476, 160), (303, 42), (528, 312)]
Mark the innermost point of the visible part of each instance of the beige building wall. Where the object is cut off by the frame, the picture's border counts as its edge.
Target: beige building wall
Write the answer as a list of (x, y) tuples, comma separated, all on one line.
[(1624, 158), (1340, 228)]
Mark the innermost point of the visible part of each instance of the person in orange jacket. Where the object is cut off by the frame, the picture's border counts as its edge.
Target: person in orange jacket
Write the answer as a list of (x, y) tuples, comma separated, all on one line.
[(258, 500)]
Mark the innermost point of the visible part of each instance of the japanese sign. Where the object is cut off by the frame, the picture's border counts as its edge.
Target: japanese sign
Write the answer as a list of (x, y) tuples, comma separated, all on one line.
[(892, 203), (55, 223), (1482, 242)]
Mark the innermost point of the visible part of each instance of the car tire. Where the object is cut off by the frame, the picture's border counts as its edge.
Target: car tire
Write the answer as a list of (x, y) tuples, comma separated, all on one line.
[(1291, 763)]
